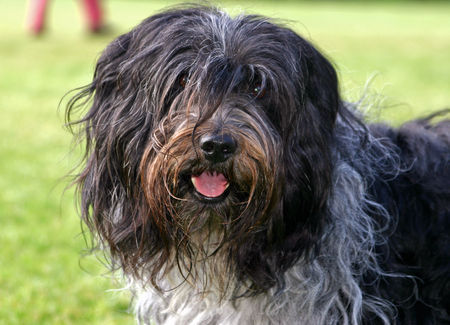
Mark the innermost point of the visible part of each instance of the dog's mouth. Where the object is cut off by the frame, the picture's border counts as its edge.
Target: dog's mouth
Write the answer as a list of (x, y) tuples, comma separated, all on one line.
[(210, 185)]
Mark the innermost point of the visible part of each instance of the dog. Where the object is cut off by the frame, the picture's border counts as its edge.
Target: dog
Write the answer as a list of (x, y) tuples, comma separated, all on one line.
[(230, 184)]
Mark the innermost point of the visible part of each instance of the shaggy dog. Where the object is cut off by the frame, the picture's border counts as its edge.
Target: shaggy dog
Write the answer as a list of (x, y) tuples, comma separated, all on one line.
[(230, 183)]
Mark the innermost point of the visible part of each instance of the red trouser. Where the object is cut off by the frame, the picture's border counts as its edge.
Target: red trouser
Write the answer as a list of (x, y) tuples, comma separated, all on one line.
[(38, 9)]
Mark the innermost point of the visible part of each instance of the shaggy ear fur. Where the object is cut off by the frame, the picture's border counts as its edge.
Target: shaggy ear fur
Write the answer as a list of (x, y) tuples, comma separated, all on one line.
[(116, 129), (308, 157)]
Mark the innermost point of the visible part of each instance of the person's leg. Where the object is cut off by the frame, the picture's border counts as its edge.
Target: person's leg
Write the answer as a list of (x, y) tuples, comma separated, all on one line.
[(36, 19), (94, 14)]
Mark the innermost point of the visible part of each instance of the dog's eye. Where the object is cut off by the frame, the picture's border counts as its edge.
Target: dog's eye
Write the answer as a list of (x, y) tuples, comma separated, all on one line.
[(183, 80), (257, 90)]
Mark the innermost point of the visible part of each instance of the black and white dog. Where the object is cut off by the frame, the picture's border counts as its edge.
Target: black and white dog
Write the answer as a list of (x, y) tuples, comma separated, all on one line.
[(230, 183)]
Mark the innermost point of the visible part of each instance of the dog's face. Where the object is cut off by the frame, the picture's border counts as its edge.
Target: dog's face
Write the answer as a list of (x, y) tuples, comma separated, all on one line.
[(205, 124)]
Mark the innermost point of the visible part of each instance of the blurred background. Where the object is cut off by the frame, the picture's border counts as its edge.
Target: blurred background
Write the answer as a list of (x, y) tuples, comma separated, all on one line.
[(394, 54)]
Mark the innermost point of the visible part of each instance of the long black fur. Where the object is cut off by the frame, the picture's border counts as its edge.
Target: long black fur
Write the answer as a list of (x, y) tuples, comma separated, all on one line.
[(418, 199), (199, 60)]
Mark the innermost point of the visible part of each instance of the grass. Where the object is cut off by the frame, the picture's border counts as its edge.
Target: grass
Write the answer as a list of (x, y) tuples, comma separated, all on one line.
[(44, 277)]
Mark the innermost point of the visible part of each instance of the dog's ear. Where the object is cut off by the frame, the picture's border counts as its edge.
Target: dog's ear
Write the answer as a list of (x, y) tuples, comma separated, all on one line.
[(309, 166), (115, 130), (107, 71), (321, 86), (320, 105), (319, 83), (111, 104)]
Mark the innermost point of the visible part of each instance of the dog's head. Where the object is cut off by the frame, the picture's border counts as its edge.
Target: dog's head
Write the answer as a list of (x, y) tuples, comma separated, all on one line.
[(204, 124)]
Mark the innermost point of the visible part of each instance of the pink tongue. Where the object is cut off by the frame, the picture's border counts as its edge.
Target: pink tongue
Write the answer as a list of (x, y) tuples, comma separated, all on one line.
[(210, 184)]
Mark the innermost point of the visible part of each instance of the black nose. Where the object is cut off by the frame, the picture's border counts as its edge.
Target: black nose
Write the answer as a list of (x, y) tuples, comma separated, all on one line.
[(217, 148)]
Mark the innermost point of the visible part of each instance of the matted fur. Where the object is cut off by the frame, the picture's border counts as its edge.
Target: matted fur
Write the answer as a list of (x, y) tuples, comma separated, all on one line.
[(325, 221)]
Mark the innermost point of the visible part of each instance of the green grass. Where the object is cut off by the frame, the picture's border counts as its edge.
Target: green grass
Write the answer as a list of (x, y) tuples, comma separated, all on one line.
[(43, 277)]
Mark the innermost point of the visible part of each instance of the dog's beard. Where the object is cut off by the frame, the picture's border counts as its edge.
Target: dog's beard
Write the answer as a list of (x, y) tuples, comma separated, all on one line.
[(201, 231)]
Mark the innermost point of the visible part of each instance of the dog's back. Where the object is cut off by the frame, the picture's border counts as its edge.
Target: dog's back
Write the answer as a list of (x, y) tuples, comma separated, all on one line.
[(418, 244)]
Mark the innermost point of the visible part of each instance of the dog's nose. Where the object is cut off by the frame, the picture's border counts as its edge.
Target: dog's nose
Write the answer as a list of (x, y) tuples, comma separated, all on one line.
[(217, 148)]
